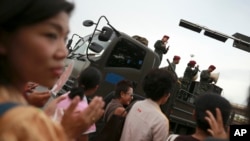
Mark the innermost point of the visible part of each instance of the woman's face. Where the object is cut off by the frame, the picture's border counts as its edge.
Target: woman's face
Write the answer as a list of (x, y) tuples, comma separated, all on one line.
[(37, 52), (127, 96)]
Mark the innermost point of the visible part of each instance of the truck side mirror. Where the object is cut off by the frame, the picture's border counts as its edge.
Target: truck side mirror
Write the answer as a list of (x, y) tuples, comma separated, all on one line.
[(88, 23), (105, 34), (95, 47)]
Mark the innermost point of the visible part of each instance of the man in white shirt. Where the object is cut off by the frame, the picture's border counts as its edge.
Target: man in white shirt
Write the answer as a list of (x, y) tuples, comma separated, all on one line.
[(145, 120)]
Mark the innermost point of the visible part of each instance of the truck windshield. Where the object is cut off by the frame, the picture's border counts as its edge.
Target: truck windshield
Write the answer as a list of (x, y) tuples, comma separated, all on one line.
[(81, 45)]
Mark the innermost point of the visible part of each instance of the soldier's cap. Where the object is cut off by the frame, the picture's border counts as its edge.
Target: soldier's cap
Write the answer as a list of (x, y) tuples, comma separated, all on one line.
[(192, 63), (176, 57), (212, 67), (166, 36)]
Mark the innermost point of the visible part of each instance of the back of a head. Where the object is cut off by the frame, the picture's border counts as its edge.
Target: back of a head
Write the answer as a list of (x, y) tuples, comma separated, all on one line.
[(90, 78), (157, 83), (210, 101)]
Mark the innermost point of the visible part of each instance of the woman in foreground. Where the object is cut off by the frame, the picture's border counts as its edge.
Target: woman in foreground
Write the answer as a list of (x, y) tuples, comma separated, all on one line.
[(32, 48)]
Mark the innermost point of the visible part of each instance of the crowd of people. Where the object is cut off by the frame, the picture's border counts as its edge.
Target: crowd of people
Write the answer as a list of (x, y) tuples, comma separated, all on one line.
[(32, 49)]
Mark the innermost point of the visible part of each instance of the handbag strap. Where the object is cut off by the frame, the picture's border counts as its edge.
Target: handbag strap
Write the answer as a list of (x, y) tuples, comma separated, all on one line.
[(4, 107)]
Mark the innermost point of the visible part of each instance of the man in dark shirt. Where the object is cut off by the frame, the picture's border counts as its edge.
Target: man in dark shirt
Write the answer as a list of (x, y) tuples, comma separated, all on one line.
[(160, 46)]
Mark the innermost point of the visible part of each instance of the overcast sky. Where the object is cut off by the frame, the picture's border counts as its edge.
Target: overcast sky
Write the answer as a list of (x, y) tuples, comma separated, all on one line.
[(154, 18)]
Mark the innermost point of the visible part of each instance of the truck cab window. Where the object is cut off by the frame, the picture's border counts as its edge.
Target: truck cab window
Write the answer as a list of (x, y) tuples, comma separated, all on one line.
[(126, 54)]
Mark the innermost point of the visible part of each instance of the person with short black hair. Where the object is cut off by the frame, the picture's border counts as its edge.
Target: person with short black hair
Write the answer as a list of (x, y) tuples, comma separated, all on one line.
[(122, 97), (217, 130), (204, 103)]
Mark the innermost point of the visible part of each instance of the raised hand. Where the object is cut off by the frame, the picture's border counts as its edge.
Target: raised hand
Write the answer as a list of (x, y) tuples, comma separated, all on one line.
[(217, 129)]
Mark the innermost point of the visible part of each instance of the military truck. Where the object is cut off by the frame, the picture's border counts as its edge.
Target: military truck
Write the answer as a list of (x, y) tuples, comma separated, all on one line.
[(119, 56)]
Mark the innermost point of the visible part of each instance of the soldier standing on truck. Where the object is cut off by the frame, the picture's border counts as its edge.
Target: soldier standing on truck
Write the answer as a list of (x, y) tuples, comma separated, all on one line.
[(172, 66), (189, 74), (206, 79), (160, 46)]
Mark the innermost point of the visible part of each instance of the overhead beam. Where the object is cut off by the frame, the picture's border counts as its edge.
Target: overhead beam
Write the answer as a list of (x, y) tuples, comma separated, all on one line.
[(215, 35), (240, 41), (190, 26)]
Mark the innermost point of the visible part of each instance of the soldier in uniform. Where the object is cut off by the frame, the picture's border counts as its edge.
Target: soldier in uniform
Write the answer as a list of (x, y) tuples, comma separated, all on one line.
[(189, 74), (173, 64), (206, 79), (160, 46)]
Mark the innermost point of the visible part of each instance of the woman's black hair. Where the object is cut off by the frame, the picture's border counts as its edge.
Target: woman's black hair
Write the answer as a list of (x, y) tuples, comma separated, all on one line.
[(77, 91), (20, 13), (88, 79)]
